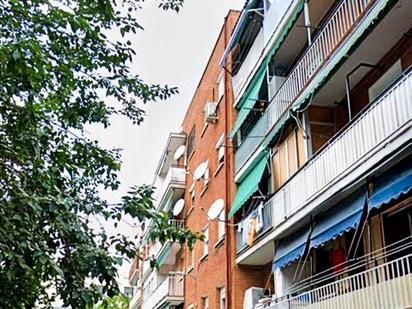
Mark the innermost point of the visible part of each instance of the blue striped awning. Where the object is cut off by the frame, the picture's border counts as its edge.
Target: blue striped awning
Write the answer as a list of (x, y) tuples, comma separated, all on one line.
[(339, 219), (392, 184), (291, 248)]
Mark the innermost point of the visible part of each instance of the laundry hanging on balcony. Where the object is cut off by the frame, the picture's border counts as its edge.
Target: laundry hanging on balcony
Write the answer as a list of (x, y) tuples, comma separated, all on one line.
[(392, 185), (248, 102), (249, 185), (291, 248), (251, 225)]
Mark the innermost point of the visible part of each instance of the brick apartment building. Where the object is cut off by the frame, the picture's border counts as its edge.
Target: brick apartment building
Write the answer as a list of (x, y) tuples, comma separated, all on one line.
[(308, 143), (209, 267)]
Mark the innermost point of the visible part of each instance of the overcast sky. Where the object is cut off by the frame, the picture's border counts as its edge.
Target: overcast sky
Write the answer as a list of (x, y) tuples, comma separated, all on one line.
[(173, 49)]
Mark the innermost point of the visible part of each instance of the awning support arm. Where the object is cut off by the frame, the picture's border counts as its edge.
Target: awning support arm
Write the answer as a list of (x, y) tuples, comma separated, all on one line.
[(347, 84)]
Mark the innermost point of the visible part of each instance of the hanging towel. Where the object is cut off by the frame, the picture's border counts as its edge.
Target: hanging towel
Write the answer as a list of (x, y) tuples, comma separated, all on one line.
[(252, 231), (259, 219)]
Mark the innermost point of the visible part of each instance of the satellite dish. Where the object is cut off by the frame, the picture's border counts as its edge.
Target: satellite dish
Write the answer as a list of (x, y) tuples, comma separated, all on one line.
[(215, 209), (179, 152), (200, 170), (177, 209)]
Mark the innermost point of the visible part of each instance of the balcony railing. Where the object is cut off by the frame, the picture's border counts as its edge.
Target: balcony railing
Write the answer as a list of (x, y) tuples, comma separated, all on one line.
[(241, 241), (249, 144), (171, 289), (371, 282), (176, 176), (378, 122), (248, 64), (325, 43)]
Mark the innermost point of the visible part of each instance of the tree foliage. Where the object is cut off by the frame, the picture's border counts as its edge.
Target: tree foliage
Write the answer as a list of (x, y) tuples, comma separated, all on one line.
[(59, 66), (115, 302)]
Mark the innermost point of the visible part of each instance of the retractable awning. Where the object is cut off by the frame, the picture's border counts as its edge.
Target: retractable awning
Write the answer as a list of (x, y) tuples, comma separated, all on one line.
[(392, 184), (342, 217), (249, 185), (291, 248), (250, 98), (240, 27)]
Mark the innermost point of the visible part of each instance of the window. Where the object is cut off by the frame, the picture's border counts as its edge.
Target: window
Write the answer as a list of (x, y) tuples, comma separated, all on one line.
[(222, 298), (221, 225), (205, 302), (206, 179), (385, 80), (190, 258), (206, 242), (220, 150), (287, 158), (191, 142), (220, 86), (192, 202)]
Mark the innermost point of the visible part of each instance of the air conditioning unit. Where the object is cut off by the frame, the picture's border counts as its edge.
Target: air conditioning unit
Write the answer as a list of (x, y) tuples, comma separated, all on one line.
[(252, 296), (210, 112), (275, 83)]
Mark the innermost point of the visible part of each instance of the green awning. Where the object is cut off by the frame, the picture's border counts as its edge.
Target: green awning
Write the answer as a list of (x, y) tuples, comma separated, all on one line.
[(285, 32), (249, 101), (249, 185), (251, 94)]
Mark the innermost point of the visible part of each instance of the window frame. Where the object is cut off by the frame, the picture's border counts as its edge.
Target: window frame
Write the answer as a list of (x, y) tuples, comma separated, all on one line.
[(220, 85), (205, 302), (206, 232), (191, 142), (222, 297)]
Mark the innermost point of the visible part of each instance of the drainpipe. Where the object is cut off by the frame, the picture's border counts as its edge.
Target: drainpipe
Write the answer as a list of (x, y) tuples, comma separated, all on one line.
[(307, 22), (227, 180)]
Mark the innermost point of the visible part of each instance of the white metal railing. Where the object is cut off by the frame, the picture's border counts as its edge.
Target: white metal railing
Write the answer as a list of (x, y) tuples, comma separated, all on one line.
[(248, 64), (370, 129), (324, 44), (388, 285), (172, 286), (253, 140), (175, 176), (375, 124)]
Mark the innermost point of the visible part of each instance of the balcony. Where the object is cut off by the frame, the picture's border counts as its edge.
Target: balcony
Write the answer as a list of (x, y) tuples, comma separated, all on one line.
[(169, 291), (174, 183), (158, 247), (388, 285), (370, 137), (241, 241), (369, 130), (336, 29), (248, 64)]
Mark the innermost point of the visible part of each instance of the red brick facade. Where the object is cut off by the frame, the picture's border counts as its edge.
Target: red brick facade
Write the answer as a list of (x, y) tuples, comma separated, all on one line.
[(208, 273), (217, 269)]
